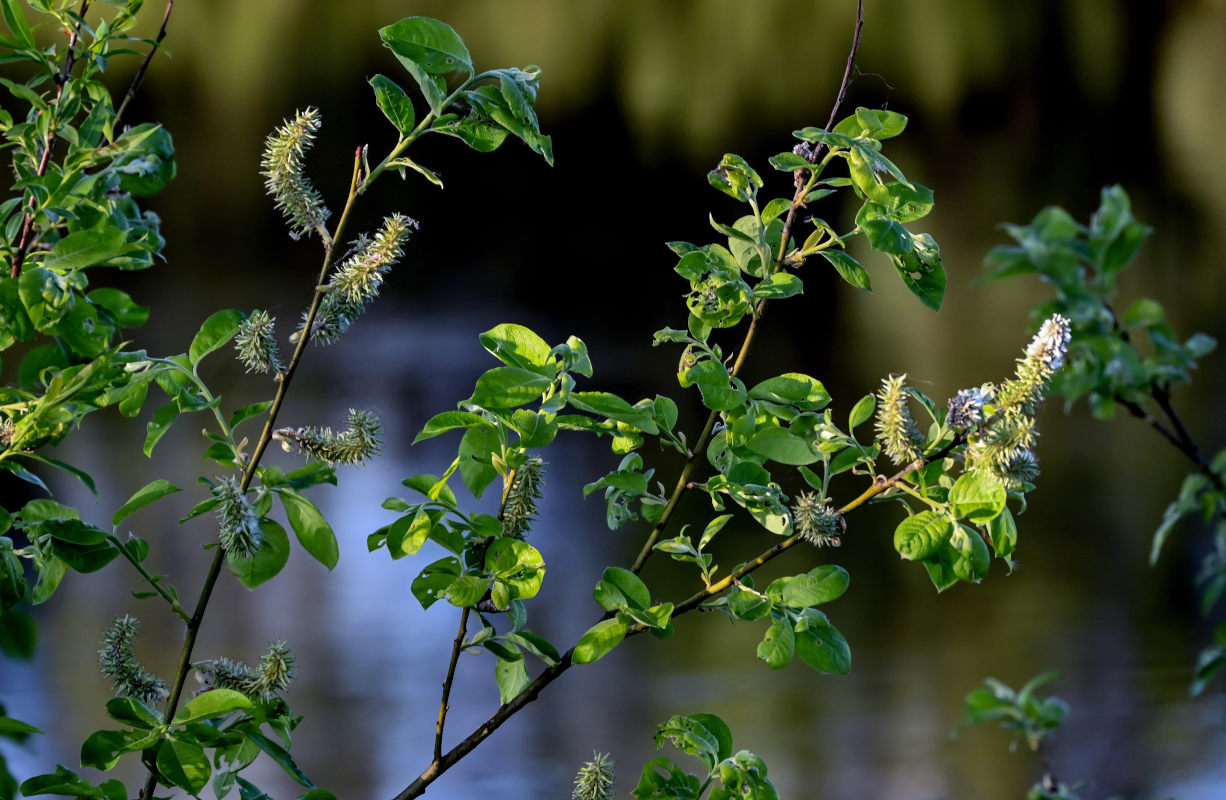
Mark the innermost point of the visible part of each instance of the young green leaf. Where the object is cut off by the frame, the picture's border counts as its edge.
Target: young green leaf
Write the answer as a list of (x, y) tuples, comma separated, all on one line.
[(598, 641), (149, 493), (313, 531), (394, 103)]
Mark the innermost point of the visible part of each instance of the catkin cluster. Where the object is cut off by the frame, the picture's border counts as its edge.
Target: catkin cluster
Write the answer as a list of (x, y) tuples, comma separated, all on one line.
[(273, 676)]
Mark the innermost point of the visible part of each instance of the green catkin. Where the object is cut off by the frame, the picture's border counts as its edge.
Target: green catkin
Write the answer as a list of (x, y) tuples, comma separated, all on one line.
[(118, 662), (896, 431), (594, 780), (284, 178), (256, 342), (817, 522), (238, 524), (520, 510), (276, 672), (356, 282), (362, 439)]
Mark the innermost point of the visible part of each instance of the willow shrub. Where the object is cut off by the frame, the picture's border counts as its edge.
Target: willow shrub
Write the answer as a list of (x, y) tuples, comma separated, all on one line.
[(956, 471)]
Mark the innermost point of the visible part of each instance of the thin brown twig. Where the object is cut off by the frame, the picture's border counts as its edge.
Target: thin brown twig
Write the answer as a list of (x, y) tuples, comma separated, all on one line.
[(442, 762), (210, 580), (139, 78), (456, 647)]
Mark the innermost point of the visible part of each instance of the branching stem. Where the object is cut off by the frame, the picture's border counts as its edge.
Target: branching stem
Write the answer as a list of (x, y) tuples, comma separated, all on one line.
[(444, 761), (210, 580)]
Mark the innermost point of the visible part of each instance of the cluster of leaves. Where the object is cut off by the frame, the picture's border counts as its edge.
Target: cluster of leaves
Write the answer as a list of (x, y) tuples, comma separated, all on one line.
[(79, 179), (729, 775), (1131, 360), (1029, 717)]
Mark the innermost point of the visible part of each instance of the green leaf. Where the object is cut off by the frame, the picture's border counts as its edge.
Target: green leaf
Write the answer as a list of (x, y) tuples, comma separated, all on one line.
[(920, 536), (977, 496), (512, 678), (776, 444), (216, 331), (131, 711), (861, 412), (850, 269), (148, 494), (598, 641), (394, 103), (426, 43), (779, 286), (778, 645), (183, 764), (1003, 531), (278, 754), (431, 583), (265, 564), (820, 585), (820, 645), (247, 412), (508, 387), (615, 408), (102, 749), (629, 585), (517, 346), (450, 421), (11, 726), (475, 453), (517, 564), (210, 704), (313, 531), (887, 236), (793, 389), (84, 249), (17, 23), (467, 591)]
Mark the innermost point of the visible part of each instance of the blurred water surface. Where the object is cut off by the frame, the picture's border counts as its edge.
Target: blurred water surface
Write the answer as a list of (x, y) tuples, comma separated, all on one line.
[(1013, 106)]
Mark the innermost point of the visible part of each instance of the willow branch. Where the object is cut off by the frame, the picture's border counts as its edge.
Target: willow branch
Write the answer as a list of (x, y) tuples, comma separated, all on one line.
[(139, 78), (442, 706), (1178, 438), (742, 353), (210, 580)]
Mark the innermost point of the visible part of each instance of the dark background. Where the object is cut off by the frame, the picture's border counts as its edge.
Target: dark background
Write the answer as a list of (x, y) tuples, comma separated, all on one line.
[(1013, 106)]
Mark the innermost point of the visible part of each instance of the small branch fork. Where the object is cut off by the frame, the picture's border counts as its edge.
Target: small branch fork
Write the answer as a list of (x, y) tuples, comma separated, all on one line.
[(210, 581), (444, 761)]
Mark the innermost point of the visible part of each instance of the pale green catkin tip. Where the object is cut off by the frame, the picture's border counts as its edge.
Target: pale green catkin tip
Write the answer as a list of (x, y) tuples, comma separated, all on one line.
[(594, 780), (896, 431)]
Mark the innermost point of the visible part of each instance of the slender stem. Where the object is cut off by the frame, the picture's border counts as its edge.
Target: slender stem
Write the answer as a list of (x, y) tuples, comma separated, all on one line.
[(139, 78), (456, 647), (156, 584), (1182, 441), (210, 580)]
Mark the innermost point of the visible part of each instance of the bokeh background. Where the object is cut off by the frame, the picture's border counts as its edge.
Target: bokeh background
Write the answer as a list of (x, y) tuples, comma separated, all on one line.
[(1013, 106)]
